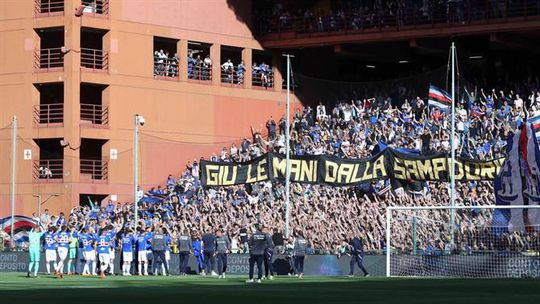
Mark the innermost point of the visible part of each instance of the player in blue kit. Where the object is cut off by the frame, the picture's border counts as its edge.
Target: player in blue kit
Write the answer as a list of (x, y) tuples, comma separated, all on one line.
[(50, 249), (103, 244), (62, 239), (112, 235), (128, 240), (142, 253), (87, 240)]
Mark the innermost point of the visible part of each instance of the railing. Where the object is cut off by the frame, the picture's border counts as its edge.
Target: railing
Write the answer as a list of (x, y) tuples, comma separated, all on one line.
[(433, 13), (199, 72), (263, 79), (95, 60), (165, 67), (48, 170), (95, 7), (232, 75), (96, 115), (49, 59), (97, 170), (49, 115), (48, 7)]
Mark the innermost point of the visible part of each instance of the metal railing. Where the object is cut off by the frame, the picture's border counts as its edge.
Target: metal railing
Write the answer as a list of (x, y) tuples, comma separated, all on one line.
[(44, 8), (165, 67), (97, 170), (49, 59), (433, 13), (48, 170), (95, 7), (199, 72), (97, 115), (263, 79), (49, 115), (95, 60), (232, 75)]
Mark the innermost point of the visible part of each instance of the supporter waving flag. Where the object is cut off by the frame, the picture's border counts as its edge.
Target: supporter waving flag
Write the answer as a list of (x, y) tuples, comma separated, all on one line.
[(535, 122), (439, 98)]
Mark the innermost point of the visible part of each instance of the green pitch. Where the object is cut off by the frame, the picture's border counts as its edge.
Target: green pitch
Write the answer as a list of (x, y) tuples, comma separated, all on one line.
[(16, 288)]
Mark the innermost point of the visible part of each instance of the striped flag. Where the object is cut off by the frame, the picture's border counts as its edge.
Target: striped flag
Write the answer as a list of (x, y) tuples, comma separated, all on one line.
[(439, 98), (22, 226), (535, 122)]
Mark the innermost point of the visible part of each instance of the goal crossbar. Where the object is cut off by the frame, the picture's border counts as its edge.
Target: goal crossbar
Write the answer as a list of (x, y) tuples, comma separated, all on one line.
[(392, 208)]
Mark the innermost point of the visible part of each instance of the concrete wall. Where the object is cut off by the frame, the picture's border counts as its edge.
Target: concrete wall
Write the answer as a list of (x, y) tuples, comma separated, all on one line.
[(185, 120)]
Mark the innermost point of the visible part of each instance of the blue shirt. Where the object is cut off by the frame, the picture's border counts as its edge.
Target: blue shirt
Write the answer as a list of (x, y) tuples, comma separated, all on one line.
[(50, 243), (62, 239), (103, 243), (127, 242), (86, 240), (142, 241), (112, 235)]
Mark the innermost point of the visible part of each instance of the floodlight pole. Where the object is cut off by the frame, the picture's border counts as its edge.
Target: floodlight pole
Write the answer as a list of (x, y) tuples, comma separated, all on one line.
[(13, 172), (453, 148), (136, 170), (288, 149)]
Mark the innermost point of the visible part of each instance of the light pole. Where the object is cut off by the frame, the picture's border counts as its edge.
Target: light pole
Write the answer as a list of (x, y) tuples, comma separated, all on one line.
[(138, 120), (40, 203)]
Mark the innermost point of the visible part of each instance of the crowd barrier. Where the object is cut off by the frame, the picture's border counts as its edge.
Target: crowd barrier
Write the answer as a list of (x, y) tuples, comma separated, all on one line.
[(238, 264)]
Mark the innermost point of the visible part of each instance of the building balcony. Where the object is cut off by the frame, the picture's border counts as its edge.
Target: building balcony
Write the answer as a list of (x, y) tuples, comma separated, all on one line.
[(94, 170), (94, 60), (46, 8), (49, 115), (48, 60), (95, 116), (48, 171), (95, 8)]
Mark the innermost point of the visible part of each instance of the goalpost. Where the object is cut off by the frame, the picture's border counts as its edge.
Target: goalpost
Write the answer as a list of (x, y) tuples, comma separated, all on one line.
[(485, 241)]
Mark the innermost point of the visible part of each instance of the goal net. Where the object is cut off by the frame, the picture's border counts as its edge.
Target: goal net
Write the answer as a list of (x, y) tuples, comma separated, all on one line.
[(463, 241)]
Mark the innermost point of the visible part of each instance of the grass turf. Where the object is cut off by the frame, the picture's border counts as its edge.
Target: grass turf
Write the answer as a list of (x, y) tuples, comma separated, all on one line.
[(16, 288)]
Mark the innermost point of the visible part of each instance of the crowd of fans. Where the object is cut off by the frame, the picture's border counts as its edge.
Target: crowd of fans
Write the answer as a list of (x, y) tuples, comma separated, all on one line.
[(359, 15), (350, 129), (198, 68)]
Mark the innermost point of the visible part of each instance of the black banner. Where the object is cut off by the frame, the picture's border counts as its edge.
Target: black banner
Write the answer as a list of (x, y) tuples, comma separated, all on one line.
[(334, 171)]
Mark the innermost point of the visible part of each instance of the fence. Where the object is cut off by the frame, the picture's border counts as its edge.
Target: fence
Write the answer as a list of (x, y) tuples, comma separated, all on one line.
[(165, 67), (48, 115), (97, 115), (262, 79), (199, 72), (48, 170), (45, 8), (232, 76), (49, 59), (96, 7), (96, 170), (95, 60)]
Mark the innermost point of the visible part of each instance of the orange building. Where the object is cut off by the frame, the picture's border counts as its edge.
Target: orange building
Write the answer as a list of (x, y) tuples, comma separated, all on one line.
[(75, 73)]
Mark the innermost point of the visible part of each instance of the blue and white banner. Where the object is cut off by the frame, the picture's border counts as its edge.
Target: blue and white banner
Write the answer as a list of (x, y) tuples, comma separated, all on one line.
[(518, 183), (21, 224)]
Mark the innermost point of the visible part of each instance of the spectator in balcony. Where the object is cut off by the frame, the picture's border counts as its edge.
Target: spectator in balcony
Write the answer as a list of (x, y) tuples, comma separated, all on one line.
[(198, 68), (162, 60), (240, 70), (271, 127), (190, 64), (265, 71), (173, 66), (207, 68), (228, 70), (45, 172)]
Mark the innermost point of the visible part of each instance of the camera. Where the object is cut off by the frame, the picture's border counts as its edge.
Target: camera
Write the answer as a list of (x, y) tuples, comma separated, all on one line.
[(141, 120)]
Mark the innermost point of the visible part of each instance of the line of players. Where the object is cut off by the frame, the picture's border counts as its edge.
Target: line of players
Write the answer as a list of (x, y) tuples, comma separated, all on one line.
[(61, 245)]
